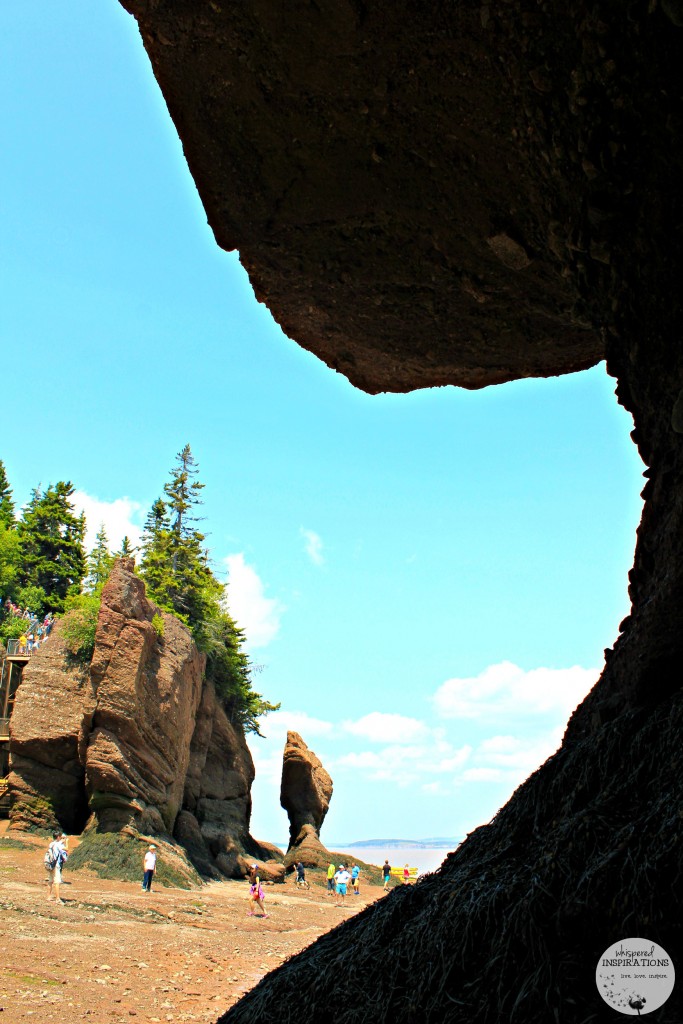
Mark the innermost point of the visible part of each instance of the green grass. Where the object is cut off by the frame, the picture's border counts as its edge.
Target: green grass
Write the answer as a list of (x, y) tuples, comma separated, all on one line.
[(14, 844), (115, 856), (28, 979)]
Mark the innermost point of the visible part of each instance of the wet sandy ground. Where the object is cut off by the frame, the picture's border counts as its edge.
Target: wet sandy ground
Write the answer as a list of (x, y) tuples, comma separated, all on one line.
[(115, 953)]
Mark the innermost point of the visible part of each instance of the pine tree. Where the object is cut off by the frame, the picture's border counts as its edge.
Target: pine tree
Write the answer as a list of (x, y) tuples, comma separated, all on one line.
[(6, 503), (155, 567), (176, 568), (175, 563), (126, 549), (100, 561), (52, 554)]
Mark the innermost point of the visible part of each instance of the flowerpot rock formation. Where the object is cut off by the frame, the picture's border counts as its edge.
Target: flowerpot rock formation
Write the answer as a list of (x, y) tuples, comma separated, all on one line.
[(305, 793)]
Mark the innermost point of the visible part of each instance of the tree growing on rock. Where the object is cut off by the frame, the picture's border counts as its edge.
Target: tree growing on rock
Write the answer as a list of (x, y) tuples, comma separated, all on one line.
[(177, 572), (100, 561)]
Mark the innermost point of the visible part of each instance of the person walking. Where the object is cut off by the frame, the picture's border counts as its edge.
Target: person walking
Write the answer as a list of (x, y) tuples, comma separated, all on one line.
[(406, 875), (341, 878), (55, 857), (330, 879), (149, 866), (355, 872), (256, 893), (386, 871)]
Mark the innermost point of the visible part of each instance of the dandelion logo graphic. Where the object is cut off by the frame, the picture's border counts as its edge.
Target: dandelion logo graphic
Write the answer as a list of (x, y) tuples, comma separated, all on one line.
[(635, 976)]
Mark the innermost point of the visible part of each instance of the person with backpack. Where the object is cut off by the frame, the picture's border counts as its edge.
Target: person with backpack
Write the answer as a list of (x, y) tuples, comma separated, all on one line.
[(55, 857)]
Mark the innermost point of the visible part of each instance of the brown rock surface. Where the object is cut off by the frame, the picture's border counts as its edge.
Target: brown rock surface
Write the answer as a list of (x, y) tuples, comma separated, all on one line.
[(147, 689), (49, 732), (217, 799), (305, 793), (379, 171)]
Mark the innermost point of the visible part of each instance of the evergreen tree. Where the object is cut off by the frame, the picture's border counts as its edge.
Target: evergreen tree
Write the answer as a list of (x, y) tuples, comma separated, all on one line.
[(100, 561), (52, 555), (182, 492), (155, 567), (175, 562), (175, 567), (126, 549), (6, 503), (10, 560)]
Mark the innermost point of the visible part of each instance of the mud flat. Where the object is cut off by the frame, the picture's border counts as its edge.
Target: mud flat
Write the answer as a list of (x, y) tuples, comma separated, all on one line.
[(113, 952)]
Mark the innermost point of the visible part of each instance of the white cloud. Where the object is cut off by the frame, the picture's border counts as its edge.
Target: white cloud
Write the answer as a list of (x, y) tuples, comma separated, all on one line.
[(121, 517), (388, 728), (258, 615), (277, 724), (505, 690), (519, 752), (406, 764), (314, 546)]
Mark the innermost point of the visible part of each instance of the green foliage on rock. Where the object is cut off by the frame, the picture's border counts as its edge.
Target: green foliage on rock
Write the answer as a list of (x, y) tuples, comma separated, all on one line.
[(80, 625), (119, 856), (158, 625)]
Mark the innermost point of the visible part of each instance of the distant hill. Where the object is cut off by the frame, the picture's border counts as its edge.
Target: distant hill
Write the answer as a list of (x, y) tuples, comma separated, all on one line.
[(438, 843)]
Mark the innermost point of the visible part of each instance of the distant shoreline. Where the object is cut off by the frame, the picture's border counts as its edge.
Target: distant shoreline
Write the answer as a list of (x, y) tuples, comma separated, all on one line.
[(392, 844)]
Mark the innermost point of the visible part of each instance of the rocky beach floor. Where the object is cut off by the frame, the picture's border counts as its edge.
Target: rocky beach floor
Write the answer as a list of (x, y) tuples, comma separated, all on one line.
[(114, 953)]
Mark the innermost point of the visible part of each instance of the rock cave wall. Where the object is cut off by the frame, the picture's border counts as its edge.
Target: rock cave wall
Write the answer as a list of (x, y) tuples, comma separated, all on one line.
[(464, 194)]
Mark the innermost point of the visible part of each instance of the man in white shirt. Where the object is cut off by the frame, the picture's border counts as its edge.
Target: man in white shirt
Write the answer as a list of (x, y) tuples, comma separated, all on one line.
[(149, 865), (341, 878)]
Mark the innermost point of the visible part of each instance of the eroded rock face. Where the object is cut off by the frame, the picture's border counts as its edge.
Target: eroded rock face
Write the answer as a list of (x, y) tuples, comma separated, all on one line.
[(147, 689), (49, 732), (217, 800), (305, 793)]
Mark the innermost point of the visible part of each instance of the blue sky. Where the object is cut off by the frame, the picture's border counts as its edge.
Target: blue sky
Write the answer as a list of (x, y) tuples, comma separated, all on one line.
[(427, 581)]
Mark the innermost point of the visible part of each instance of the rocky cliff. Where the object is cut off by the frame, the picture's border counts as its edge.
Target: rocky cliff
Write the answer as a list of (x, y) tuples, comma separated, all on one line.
[(147, 687), (49, 732), (305, 793), (134, 737)]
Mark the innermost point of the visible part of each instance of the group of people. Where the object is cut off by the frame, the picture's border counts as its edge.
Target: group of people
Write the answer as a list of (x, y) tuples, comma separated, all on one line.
[(16, 611), (338, 880), (35, 634)]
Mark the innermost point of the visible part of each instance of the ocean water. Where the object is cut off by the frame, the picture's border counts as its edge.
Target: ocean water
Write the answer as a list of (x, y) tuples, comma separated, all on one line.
[(424, 859)]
